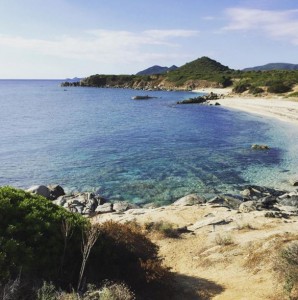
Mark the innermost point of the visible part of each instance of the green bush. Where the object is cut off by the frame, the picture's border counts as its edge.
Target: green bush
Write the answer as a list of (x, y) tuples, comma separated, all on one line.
[(279, 87), (295, 94), (33, 243), (255, 90), (31, 240), (241, 87)]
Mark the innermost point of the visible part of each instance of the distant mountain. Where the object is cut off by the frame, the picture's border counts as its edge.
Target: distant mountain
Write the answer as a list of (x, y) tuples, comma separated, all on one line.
[(273, 66), (75, 79), (156, 70)]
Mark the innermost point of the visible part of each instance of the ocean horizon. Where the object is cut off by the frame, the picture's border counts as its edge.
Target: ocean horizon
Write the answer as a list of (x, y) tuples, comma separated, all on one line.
[(100, 140)]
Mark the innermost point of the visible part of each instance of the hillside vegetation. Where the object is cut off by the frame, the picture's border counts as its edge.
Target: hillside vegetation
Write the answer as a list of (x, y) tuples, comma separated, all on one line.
[(200, 73)]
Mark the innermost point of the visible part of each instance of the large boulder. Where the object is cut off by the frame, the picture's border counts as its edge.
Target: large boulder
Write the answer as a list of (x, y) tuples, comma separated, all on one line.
[(41, 190), (56, 191), (189, 200), (121, 206), (104, 208)]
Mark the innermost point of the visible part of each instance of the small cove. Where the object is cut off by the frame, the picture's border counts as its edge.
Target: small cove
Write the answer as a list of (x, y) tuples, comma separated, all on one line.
[(89, 139)]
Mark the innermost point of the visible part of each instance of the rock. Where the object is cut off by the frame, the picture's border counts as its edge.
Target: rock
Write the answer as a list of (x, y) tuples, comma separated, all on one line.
[(189, 200), (232, 201), (276, 214), (255, 191), (104, 208), (291, 201), (248, 206), (217, 104), (288, 209), (294, 181), (216, 200), (260, 147), (150, 205), (56, 191), (267, 202), (121, 206), (60, 201), (41, 190)]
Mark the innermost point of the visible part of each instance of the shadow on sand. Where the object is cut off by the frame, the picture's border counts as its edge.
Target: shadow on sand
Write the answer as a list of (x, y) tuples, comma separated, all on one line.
[(195, 288)]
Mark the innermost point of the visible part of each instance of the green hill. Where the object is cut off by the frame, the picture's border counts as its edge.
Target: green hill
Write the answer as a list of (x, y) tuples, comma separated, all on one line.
[(203, 68)]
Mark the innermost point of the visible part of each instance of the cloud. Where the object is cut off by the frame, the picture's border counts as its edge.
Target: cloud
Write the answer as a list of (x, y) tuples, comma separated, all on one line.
[(105, 45), (276, 24)]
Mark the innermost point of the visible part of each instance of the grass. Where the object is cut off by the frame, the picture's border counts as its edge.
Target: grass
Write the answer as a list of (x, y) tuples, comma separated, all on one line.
[(286, 267), (162, 229), (245, 227), (224, 240)]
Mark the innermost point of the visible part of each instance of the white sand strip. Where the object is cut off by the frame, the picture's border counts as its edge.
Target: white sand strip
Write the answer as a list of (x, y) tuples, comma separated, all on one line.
[(282, 109)]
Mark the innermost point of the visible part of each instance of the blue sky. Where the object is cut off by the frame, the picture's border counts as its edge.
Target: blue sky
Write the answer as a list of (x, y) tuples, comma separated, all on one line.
[(67, 38)]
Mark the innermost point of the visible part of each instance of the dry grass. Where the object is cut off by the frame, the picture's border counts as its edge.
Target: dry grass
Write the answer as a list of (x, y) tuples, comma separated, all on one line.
[(162, 229), (224, 240), (261, 254), (245, 227)]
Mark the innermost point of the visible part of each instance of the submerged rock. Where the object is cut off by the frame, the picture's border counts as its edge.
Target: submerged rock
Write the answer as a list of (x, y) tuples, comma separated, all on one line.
[(259, 147)]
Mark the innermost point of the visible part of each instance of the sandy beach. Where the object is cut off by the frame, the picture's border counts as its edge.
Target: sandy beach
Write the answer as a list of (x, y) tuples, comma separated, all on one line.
[(270, 106)]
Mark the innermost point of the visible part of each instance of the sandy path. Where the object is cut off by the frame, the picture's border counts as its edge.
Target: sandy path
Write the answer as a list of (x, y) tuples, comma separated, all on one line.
[(206, 270)]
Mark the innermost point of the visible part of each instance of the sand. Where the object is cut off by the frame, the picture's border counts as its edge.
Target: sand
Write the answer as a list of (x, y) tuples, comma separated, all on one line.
[(269, 106), (206, 269)]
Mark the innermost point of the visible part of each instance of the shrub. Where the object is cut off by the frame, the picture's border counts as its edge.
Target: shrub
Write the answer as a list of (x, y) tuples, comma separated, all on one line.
[(115, 291), (287, 269), (224, 240), (31, 239), (295, 94), (119, 253), (255, 90), (44, 241), (279, 87), (241, 87), (165, 229)]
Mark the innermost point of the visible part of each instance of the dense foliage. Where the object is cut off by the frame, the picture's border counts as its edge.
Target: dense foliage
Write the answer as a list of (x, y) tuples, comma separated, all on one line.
[(43, 242), (31, 240)]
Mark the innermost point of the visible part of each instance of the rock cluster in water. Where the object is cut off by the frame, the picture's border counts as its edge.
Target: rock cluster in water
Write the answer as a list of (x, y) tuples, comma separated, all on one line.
[(252, 198), (201, 99)]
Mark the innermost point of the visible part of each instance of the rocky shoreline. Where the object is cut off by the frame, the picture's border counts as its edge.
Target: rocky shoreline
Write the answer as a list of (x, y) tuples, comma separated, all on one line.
[(275, 203)]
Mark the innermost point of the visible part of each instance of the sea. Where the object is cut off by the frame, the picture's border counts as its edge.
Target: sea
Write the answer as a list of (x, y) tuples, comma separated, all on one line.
[(100, 140)]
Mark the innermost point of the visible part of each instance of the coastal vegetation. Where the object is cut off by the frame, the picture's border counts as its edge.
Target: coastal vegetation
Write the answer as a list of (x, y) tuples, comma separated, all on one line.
[(44, 249), (200, 73)]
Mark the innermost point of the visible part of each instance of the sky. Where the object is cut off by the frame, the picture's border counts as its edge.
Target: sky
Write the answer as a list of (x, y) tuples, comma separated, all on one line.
[(48, 39)]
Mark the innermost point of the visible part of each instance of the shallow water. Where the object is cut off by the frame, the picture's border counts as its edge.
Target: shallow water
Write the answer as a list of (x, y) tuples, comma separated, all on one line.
[(142, 151)]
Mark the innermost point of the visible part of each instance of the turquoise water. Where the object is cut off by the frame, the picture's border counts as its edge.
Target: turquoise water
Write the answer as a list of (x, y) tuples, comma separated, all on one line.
[(101, 140)]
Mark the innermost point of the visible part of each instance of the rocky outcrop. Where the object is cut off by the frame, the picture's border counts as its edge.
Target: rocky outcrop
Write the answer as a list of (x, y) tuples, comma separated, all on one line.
[(259, 147), (200, 99)]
